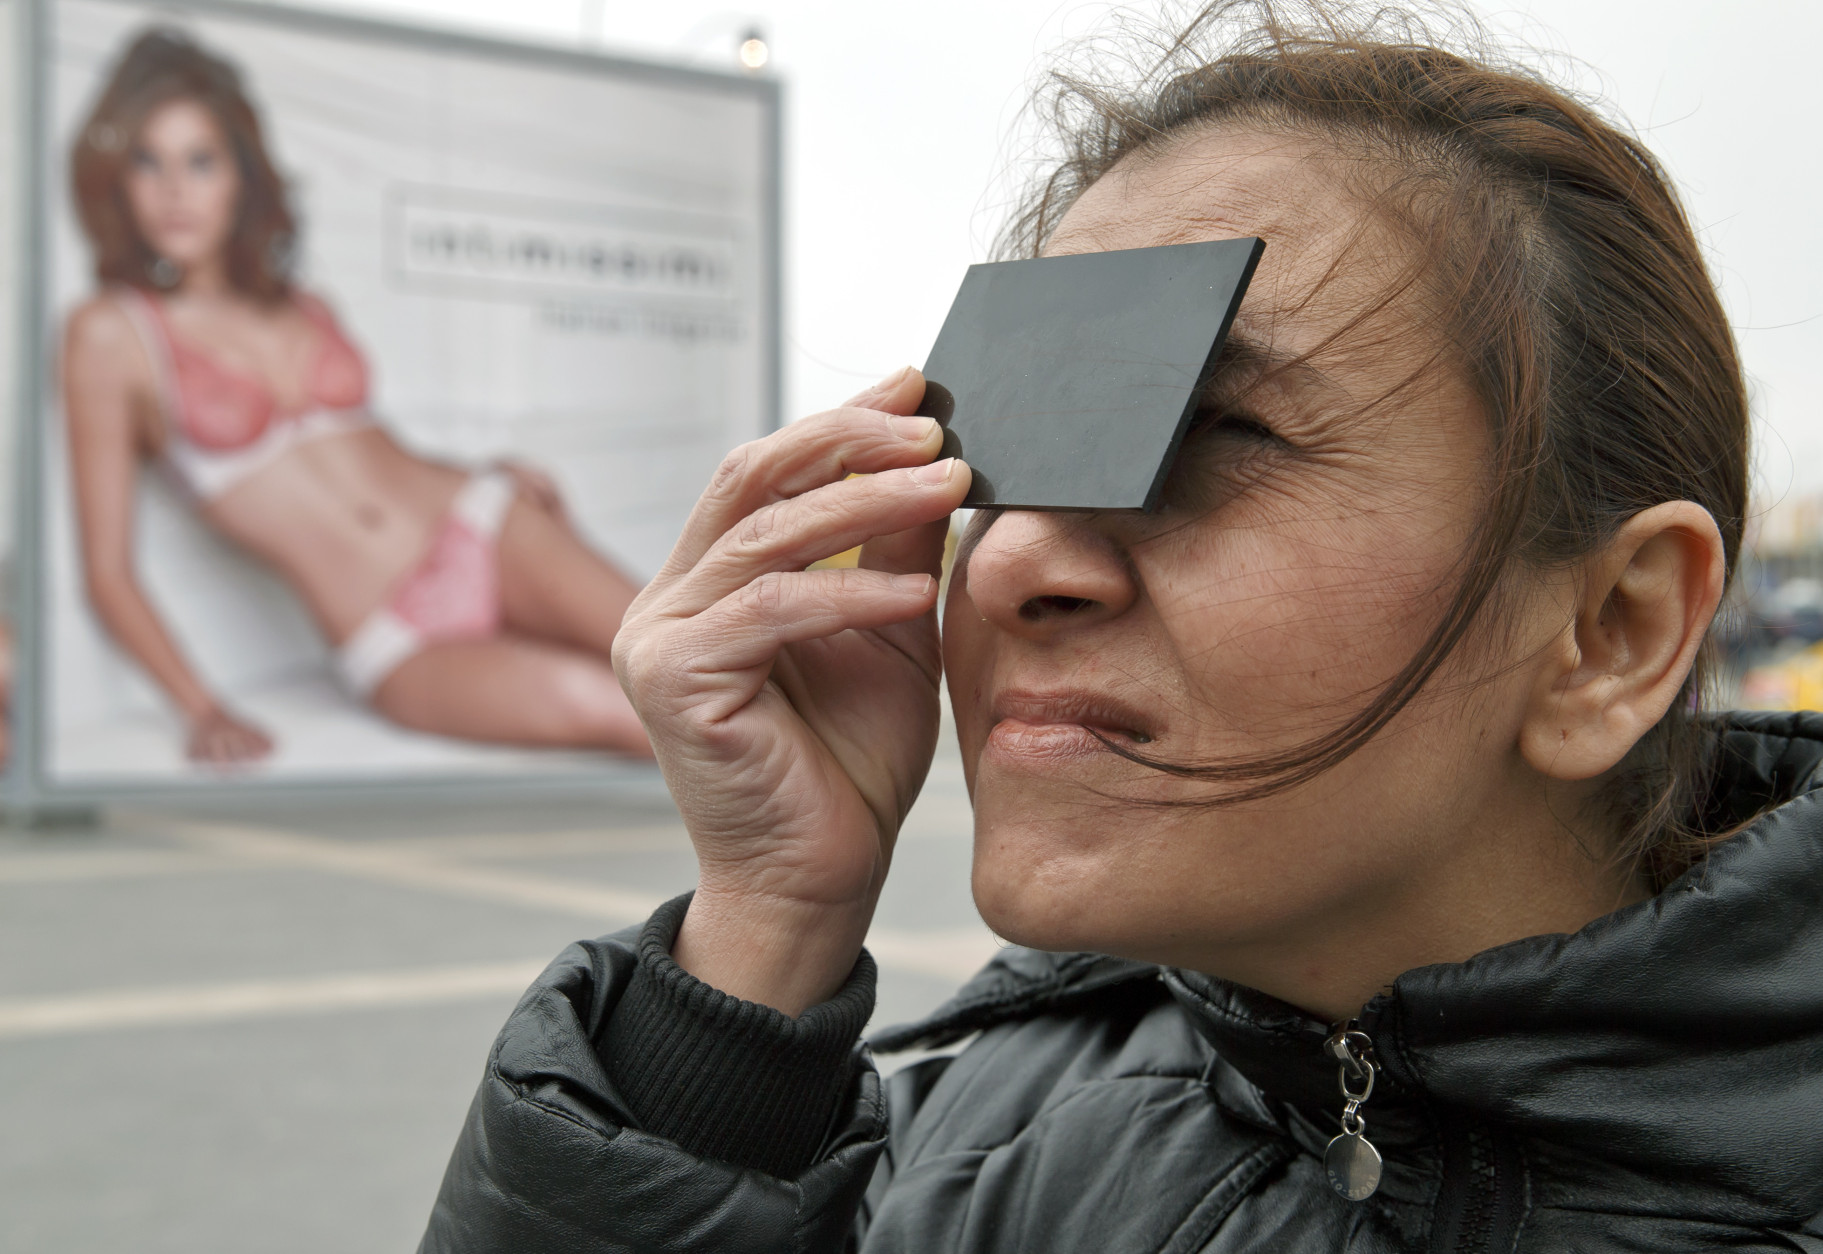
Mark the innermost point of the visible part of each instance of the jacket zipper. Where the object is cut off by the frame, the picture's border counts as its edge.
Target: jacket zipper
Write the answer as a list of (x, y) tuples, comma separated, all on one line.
[(1350, 1161), (1481, 1200)]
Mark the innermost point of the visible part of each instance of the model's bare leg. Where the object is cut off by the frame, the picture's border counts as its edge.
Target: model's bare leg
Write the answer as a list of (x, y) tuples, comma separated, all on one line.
[(554, 586), (513, 690)]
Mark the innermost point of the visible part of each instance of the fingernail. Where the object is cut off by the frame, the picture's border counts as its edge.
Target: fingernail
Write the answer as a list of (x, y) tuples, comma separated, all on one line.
[(918, 429), (936, 472), (920, 584)]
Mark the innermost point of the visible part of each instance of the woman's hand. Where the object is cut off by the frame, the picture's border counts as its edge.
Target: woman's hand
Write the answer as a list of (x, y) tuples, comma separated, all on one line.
[(794, 712), (535, 484), (219, 738)]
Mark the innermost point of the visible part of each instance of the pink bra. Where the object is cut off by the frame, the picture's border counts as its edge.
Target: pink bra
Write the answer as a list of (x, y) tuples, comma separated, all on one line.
[(222, 424)]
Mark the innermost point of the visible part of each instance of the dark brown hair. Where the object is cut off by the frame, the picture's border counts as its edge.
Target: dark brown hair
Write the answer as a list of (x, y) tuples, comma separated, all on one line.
[(162, 66), (1557, 261)]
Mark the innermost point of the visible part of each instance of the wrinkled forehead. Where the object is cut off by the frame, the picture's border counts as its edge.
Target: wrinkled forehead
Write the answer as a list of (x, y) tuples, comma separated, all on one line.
[(1337, 312), (1327, 256)]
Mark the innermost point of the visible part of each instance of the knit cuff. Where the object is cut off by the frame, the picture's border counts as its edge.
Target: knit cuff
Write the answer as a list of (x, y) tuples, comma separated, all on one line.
[(725, 1078)]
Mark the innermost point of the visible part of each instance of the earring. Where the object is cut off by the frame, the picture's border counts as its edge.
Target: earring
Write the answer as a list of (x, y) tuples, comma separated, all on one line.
[(163, 272)]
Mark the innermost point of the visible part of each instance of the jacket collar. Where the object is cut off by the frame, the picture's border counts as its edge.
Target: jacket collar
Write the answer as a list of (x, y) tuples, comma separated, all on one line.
[(1681, 1037)]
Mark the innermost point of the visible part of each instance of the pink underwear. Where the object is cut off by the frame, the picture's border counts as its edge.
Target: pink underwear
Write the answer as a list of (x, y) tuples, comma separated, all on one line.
[(453, 593)]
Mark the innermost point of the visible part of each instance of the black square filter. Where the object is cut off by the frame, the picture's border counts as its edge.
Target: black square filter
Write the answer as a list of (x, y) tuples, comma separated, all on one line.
[(1067, 382)]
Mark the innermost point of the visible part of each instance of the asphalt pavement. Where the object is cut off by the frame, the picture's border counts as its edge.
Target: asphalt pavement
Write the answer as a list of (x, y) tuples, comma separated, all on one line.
[(258, 1030)]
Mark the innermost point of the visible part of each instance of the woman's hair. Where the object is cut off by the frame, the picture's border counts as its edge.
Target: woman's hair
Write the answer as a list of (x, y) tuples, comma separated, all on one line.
[(1557, 263), (160, 67)]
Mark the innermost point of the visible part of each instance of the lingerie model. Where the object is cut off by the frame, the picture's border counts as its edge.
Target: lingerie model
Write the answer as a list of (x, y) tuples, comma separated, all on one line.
[(222, 428), (458, 602)]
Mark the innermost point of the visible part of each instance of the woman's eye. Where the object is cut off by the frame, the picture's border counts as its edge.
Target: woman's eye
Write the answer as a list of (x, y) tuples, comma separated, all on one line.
[(1223, 454), (202, 162), (1220, 423)]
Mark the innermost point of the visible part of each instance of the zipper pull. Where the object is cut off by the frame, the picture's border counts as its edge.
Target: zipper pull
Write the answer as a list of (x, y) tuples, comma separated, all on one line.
[(1351, 1161)]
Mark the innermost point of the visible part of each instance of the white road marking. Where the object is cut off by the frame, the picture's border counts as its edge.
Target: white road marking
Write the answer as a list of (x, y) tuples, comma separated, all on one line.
[(948, 954), (408, 867), (482, 845), (110, 1009), (59, 865), (95, 864)]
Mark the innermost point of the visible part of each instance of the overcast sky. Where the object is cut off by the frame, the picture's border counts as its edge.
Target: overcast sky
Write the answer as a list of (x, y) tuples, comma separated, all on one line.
[(898, 113)]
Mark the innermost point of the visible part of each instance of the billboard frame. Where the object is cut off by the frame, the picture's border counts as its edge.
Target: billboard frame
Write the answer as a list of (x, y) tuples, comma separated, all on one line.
[(26, 790)]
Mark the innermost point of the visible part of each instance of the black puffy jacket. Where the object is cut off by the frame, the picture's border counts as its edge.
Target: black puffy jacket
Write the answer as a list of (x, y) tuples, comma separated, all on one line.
[(1652, 1083)]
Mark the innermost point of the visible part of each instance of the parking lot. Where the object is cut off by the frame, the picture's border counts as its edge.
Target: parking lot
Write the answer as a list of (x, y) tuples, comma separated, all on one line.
[(259, 1030)]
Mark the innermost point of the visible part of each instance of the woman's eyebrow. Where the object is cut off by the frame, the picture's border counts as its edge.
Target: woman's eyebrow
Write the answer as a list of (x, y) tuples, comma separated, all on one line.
[(1245, 360)]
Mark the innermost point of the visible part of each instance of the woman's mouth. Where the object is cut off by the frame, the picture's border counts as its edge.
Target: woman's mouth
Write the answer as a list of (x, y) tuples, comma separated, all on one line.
[(1063, 724)]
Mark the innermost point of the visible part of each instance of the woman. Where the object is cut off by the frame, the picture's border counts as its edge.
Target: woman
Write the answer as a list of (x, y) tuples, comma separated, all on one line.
[(1378, 881), (459, 603)]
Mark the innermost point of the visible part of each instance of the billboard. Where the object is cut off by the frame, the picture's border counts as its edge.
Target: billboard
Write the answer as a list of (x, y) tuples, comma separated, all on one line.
[(367, 373)]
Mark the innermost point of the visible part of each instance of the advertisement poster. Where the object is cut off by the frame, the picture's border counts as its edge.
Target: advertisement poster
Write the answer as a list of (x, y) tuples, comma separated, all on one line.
[(379, 368)]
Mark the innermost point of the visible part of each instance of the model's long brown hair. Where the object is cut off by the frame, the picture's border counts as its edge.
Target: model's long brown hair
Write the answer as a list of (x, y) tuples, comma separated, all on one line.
[(161, 66), (1554, 256)]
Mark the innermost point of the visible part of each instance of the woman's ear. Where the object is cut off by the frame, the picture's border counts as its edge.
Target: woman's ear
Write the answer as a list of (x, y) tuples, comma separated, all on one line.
[(1646, 600)]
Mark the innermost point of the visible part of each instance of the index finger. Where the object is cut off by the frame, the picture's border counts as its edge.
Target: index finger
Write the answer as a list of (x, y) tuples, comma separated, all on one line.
[(873, 432)]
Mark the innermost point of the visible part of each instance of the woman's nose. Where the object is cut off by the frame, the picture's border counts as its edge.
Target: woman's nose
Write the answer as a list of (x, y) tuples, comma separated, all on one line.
[(1035, 574)]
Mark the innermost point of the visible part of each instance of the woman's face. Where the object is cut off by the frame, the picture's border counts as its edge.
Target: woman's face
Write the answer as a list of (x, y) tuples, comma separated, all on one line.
[(1310, 542), (183, 185)]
